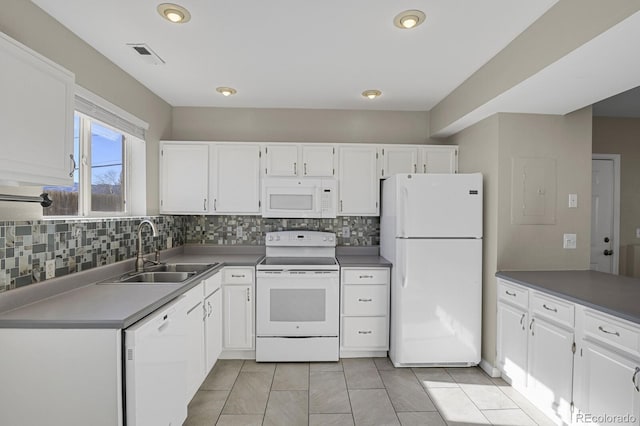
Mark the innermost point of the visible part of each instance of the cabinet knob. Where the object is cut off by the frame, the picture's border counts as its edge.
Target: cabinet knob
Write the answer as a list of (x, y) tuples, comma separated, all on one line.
[(606, 239), (608, 252)]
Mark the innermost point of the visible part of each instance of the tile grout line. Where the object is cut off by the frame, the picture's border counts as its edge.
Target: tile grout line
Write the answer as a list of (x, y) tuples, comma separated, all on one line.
[(229, 394)]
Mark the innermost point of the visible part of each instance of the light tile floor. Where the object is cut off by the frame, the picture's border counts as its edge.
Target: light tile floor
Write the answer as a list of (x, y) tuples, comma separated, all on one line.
[(361, 391)]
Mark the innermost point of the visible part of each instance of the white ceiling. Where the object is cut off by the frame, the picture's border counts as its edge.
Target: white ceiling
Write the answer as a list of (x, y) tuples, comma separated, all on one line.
[(301, 54)]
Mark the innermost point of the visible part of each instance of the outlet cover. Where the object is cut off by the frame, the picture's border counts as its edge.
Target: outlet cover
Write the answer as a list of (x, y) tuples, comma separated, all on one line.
[(239, 231), (169, 242), (637, 232), (570, 241), (50, 269), (573, 201), (346, 232)]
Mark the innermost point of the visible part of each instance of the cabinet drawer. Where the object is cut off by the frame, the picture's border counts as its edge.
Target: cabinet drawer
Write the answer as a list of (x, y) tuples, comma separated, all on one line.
[(365, 332), (365, 300), (237, 275), (610, 330), (365, 276), (552, 308), (513, 294)]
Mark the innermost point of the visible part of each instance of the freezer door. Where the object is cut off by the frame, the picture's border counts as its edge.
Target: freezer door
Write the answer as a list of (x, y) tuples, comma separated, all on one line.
[(436, 294), (439, 205)]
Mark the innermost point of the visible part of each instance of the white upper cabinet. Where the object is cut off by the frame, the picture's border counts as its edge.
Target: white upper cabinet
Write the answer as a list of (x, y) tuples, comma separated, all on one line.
[(291, 159), (184, 178), (318, 160), (398, 160), (36, 117), (438, 159), (281, 160), (235, 178), (359, 187)]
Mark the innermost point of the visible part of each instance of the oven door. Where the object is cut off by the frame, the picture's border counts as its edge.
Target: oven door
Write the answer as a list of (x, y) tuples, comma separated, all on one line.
[(297, 303)]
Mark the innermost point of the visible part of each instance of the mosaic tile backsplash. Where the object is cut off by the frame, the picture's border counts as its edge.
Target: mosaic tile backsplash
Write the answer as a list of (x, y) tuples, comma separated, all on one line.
[(76, 245), (223, 230)]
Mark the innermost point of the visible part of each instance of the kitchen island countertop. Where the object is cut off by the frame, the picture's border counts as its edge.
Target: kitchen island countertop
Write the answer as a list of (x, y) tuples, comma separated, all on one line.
[(613, 294)]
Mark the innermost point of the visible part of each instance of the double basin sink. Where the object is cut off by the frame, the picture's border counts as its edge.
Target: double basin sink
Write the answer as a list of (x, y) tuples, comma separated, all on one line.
[(163, 273)]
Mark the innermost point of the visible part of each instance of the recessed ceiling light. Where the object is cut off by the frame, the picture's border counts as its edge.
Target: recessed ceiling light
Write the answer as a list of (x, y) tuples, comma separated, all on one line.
[(371, 94), (174, 13), (409, 19), (226, 91)]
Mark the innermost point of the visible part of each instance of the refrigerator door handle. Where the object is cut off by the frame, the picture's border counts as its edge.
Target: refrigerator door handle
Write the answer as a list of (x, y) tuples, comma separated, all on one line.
[(404, 196), (403, 268)]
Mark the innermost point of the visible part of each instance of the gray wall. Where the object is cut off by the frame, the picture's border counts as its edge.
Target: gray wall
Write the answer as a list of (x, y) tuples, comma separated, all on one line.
[(28, 24)]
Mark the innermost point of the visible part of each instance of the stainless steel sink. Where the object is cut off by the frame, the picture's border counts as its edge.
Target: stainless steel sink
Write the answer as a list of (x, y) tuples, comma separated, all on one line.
[(158, 277), (180, 267)]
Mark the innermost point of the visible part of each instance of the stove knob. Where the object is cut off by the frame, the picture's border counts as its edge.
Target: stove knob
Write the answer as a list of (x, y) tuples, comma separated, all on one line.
[(270, 238), (324, 238), (330, 238), (277, 238)]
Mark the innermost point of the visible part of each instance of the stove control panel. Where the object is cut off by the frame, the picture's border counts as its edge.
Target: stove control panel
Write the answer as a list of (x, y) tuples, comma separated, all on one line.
[(301, 239)]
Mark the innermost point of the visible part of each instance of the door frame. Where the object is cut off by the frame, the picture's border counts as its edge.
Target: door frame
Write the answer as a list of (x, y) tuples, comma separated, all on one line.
[(616, 206)]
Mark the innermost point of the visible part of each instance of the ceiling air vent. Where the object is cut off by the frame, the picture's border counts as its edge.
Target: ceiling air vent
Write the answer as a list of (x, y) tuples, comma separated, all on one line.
[(143, 51)]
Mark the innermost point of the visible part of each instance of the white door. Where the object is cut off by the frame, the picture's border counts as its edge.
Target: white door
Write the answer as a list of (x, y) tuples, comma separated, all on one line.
[(358, 181), (281, 160), (512, 344), (213, 328), (318, 160), (235, 175), (184, 178), (398, 160), (602, 190), (238, 317), (440, 205), (439, 159), (436, 301), (550, 370), (605, 383)]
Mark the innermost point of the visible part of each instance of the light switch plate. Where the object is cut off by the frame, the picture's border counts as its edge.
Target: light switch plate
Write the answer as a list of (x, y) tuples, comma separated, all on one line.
[(239, 231), (573, 201), (50, 269), (169, 242), (346, 232), (637, 232), (570, 241)]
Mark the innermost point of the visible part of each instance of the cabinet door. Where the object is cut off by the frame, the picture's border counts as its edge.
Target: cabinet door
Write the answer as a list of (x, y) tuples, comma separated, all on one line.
[(358, 181), (184, 178), (36, 117), (281, 160), (439, 159), (318, 160), (605, 384), (398, 160), (213, 328), (238, 317), (512, 344), (550, 371), (195, 345), (235, 173)]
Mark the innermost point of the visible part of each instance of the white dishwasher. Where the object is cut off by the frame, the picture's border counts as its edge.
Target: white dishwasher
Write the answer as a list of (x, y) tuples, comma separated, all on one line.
[(156, 368)]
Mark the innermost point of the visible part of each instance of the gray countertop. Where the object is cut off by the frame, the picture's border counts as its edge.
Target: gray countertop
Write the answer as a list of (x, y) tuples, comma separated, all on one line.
[(90, 305), (613, 294), (364, 261)]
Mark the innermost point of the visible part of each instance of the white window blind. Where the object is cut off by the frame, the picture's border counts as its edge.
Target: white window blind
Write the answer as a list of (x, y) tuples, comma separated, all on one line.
[(89, 108)]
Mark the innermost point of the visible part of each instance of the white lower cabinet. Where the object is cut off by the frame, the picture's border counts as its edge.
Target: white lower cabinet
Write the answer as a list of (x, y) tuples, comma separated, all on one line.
[(364, 312), (512, 344), (238, 312), (195, 339), (213, 328)]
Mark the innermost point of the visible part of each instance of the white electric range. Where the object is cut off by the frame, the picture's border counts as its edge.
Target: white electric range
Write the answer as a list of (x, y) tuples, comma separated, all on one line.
[(298, 298)]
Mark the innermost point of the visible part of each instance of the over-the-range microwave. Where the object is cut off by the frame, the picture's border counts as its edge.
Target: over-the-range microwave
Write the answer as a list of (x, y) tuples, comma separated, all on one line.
[(299, 197)]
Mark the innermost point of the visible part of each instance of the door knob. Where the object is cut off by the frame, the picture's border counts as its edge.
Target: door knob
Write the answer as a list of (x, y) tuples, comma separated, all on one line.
[(608, 252), (606, 239)]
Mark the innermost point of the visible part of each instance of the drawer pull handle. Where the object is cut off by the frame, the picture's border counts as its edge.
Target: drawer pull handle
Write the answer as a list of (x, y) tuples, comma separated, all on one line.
[(365, 332), (633, 379), (366, 276), (615, 333), (550, 309), (509, 293), (364, 300), (237, 276)]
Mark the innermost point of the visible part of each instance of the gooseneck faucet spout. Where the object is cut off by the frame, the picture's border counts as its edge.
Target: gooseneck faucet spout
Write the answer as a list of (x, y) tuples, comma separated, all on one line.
[(139, 256)]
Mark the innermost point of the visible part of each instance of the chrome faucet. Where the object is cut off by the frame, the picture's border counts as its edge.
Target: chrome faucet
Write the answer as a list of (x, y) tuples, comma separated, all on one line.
[(139, 257)]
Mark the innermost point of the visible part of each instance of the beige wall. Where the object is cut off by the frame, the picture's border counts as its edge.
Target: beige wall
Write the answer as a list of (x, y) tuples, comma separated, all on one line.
[(567, 139), (622, 136), (300, 125), (25, 22), (478, 152), (566, 26)]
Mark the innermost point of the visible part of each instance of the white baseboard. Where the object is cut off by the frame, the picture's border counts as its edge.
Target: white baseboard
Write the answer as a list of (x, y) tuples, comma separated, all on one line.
[(239, 354), (489, 369)]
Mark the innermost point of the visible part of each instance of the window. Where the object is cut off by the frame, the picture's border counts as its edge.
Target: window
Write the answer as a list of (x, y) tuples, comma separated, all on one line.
[(100, 178)]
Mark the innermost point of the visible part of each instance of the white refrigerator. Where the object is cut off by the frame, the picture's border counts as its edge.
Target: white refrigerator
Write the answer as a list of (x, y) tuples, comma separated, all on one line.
[(431, 230)]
